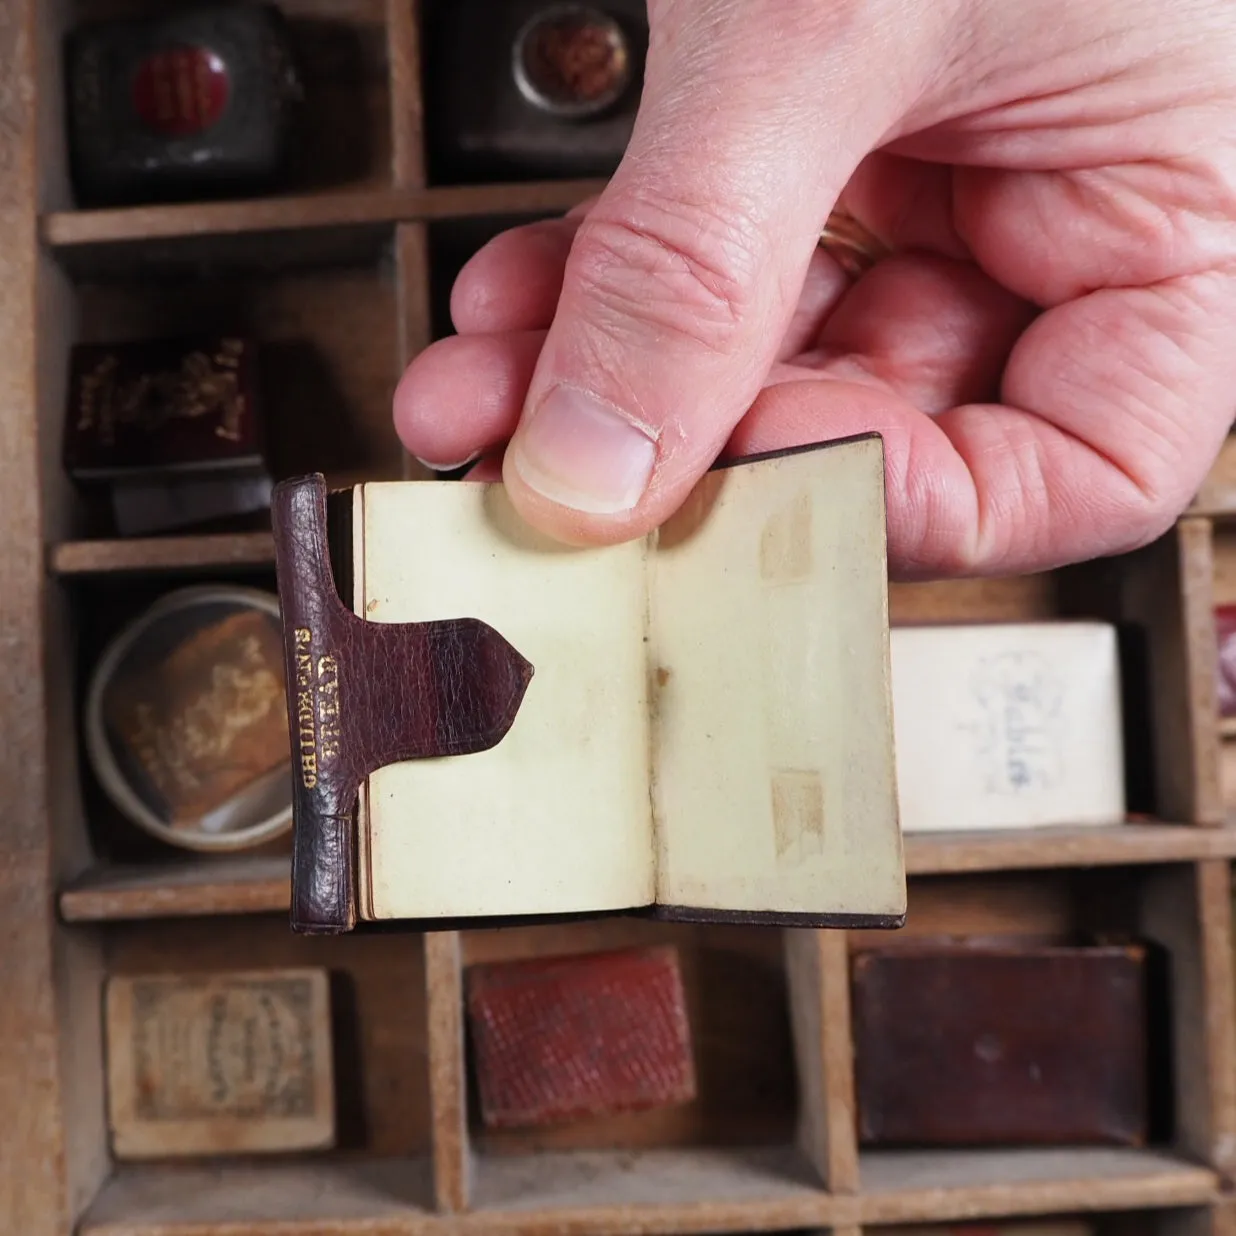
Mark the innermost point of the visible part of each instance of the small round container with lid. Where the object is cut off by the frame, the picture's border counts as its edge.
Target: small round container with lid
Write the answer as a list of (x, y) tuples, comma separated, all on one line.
[(186, 723), (572, 61)]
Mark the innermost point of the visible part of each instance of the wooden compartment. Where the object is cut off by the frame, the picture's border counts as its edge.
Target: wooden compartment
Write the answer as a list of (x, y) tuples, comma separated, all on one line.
[(378, 1015), (736, 991), (736, 1137), (327, 349), (1170, 1221), (1157, 600), (1162, 907), (104, 605), (486, 65), (378, 1024)]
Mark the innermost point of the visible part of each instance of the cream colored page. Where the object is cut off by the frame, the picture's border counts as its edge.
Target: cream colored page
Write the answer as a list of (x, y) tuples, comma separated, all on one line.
[(556, 817), (363, 881), (773, 755)]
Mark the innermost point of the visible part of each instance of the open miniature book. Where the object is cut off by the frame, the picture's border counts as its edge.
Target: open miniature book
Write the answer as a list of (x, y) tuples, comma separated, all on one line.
[(696, 724)]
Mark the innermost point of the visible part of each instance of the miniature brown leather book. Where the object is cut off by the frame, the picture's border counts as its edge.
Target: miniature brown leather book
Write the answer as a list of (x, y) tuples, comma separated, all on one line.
[(562, 1038), (957, 1046), (173, 429), (697, 724)]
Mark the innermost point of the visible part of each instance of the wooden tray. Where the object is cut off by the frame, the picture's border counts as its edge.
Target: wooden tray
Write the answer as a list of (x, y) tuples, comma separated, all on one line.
[(345, 275)]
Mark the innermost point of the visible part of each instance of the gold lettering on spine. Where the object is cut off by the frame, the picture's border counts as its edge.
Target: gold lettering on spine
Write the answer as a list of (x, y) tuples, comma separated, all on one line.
[(317, 708), (328, 706), (306, 731)]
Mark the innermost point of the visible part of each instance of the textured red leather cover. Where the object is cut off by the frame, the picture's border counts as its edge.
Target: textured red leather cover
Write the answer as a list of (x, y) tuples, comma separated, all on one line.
[(558, 1039)]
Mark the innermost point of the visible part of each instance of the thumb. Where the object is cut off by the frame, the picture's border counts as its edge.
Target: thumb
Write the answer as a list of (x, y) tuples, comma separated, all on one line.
[(684, 276)]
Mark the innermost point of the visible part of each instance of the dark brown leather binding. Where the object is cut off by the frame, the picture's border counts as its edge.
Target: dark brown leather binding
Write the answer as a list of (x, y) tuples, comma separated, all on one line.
[(362, 695), (982, 1046)]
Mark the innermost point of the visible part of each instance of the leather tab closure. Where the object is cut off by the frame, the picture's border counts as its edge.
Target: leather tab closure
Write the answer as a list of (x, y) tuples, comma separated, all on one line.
[(362, 695)]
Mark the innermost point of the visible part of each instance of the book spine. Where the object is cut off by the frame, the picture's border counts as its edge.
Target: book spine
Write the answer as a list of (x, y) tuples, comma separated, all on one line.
[(362, 695), (323, 806)]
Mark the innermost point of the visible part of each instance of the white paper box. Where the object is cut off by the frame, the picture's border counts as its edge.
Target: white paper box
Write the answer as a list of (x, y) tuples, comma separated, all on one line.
[(1010, 725)]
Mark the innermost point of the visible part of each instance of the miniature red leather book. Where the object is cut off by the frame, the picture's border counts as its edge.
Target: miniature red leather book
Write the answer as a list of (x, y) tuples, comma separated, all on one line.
[(173, 428), (563, 1038)]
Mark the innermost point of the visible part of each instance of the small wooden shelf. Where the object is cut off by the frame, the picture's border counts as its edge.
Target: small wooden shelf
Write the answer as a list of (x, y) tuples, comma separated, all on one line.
[(357, 209), (184, 888), (245, 884), (943, 1185), (170, 553), (394, 1195), (679, 1190), (1077, 846), (662, 1191), (657, 1192)]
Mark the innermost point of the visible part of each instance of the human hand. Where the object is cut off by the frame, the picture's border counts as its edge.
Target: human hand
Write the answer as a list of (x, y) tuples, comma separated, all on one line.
[(1049, 353)]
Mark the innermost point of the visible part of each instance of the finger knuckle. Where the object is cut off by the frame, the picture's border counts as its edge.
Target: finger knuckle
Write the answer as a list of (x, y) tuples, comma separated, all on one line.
[(669, 267), (1161, 489)]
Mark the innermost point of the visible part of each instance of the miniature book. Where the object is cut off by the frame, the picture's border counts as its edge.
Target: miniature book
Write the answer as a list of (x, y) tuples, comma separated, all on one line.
[(967, 1045), (694, 725), (219, 1064), (173, 429), (1008, 725), (557, 1039)]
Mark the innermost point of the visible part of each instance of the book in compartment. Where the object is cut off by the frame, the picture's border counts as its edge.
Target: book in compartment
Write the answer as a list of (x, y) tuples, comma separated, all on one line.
[(558, 1039), (696, 725), (1008, 725), (219, 1064), (982, 1045), (172, 429)]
